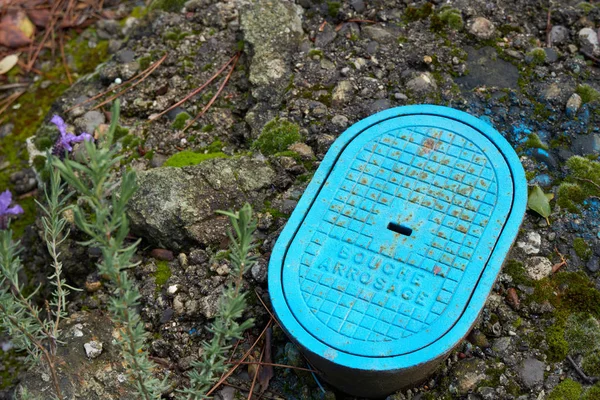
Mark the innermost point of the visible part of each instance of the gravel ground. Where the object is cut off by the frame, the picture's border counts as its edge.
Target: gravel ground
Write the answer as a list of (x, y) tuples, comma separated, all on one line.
[(307, 71)]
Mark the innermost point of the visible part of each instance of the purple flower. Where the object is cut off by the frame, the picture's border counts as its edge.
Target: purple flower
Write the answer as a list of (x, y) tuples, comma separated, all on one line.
[(64, 142), (5, 210)]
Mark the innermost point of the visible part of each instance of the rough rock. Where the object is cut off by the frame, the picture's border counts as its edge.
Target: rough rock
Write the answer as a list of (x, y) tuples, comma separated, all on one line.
[(531, 244), (573, 105), (422, 84), (90, 121), (470, 373), (342, 93), (273, 30), (586, 144), (483, 28), (93, 349), (531, 372), (538, 267), (378, 34), (559, 35), (325, 36), (552, 92), (175, 207), (588, 40), (304, 150)]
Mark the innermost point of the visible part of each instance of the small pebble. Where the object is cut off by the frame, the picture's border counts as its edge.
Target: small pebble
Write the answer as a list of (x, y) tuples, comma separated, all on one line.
[(93, 349)]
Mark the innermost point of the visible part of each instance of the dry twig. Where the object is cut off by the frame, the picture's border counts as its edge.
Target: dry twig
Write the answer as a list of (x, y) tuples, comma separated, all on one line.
[(195, 91), (561, 264), (151, 69), (214, 98), (234, 367)]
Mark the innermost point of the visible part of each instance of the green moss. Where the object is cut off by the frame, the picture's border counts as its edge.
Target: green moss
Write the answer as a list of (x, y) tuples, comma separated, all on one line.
[(144, 62), (139, 12), (120, 132), (131, 142), (518, 322), (569, 195), (452, 18), (582, 332), (11, 364), (412, 14), (529, 175), (517, 272), (176, 35), (214, 147), (273, 211), (221, 255), (582, 249), (208, 128), (333, 8), (162, 274), (581, 183), (566, 390), (186, 158), (558, 348), (167, 5), (315, 52), (19, 224), (85, 58), (585, 7), (541, 112), (534, 141), (180, 120), (569, 292), (276, 136), (538, 56), (592, 393), (508, 28), (591, 363), (46, 137), (588, 94)]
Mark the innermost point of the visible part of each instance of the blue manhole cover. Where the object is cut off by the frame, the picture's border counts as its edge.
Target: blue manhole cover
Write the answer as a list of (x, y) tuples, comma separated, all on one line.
[(395, 245)]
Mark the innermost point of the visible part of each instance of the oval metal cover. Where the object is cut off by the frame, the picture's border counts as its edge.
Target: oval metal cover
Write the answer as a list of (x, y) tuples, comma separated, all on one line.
[(391, 239)]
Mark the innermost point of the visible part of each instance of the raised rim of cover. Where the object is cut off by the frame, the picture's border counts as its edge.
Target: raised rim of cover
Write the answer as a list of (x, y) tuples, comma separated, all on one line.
[(482, 288)]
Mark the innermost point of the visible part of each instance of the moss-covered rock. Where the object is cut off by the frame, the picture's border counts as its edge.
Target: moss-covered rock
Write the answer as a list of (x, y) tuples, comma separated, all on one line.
[(180, 120), (176, 207)]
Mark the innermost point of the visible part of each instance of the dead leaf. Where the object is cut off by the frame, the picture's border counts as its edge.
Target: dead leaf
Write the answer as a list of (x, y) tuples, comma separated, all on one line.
[(266, 372), (39, 16), (16, 29), (8, 62), (512, 297)]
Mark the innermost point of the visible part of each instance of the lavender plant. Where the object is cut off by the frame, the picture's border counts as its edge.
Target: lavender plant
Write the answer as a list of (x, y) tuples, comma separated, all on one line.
[(231, 307), (30, 328), (107, 226)]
